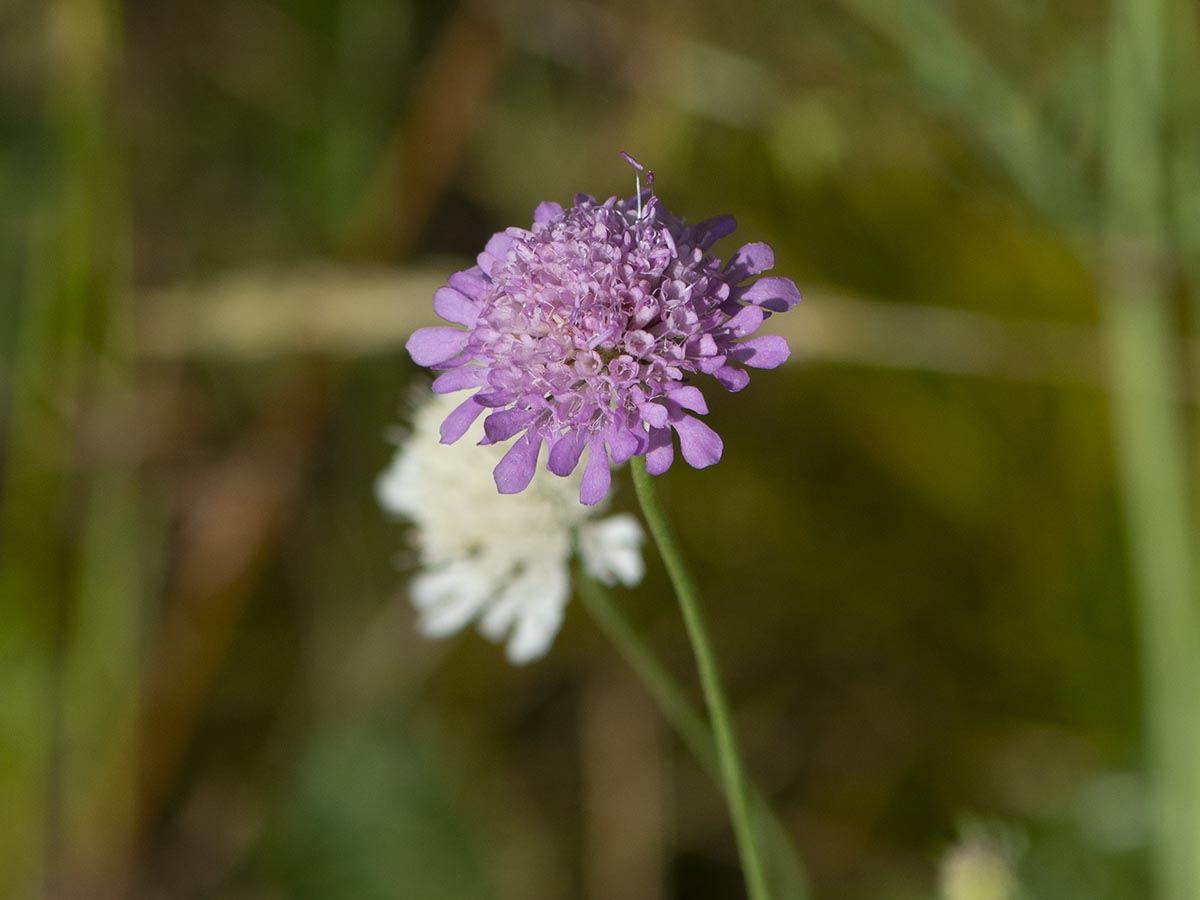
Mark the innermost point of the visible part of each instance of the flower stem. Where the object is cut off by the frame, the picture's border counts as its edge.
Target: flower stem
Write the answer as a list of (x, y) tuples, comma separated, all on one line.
[(732, 774), (785, 874)]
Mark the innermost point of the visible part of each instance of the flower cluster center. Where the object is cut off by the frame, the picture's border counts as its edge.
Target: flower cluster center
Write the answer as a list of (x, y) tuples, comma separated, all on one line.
[(593, 314)]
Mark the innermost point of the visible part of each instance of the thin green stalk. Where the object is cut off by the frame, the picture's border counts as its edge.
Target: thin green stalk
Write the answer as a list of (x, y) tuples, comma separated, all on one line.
[(732, 771), (1150, 463), (1149, 432), (37, 550), (785, 873)]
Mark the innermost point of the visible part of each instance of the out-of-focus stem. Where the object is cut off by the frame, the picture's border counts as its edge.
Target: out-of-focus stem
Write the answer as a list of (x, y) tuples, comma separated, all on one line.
[(959, 79), (1149, 434)]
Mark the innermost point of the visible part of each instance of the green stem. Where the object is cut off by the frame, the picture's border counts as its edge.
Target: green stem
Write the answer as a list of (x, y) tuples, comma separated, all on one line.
[(1149, 430), (728, 758), (786, 874)]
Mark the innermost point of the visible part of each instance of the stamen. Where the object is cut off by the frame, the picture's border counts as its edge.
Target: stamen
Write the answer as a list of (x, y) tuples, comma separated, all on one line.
[(633, 162), (637, 180)]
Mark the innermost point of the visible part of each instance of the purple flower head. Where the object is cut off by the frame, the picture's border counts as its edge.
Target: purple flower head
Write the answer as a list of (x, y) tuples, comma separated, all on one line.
[(586, 331)]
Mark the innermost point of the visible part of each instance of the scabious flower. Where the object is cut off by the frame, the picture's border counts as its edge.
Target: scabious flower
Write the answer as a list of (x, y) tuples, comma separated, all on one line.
[(585, 330), (501, 561)]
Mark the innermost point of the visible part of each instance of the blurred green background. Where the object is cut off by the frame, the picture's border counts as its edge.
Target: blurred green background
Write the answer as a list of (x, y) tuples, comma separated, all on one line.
[(947, 556)]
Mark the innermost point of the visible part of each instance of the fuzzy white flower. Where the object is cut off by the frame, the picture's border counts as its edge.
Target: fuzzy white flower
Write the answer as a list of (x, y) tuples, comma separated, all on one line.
[(502, 560)]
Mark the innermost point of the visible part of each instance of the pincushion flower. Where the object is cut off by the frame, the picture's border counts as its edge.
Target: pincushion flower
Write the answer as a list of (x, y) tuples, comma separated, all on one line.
[(585, 331), (501, 561)]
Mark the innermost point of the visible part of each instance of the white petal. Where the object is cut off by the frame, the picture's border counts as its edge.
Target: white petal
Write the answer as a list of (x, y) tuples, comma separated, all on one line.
[(532, 639), (500, 561), (448, 598), (500, 615), (541, 615), (612, 549), (394, 487)]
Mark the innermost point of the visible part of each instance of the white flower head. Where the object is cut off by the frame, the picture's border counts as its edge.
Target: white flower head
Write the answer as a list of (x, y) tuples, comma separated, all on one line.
[(502, 560)]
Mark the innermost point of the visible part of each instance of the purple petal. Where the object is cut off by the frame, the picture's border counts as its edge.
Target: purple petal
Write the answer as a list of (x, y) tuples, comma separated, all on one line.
[(746, 321), (662, 451), (454, 306), (495, 252), (548, 212), (499, 244), (459, 379), (457, 423), (470, 282), (655, 414), (564, 455), (689, 397), (732, 379), (749, 260), (643, 440), (500, 426), (765, 352), (773, 292), (623, 444), (514, 472), (495, 399), (701, 346), (434, 346), (700, 445), (705, 234), (596, 477), (670, 239)]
